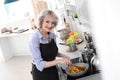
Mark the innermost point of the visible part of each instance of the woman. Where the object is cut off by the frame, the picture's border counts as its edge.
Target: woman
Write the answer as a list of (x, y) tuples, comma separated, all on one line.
[(44, 49)]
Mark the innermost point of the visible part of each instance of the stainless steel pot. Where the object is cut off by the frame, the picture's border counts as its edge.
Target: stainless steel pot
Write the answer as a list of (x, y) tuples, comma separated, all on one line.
[(63, 34), (95, 62)]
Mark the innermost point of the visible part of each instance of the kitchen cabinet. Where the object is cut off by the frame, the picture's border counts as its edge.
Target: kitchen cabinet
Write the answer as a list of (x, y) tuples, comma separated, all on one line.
[(20, 44), (15, 44), (5, 49)]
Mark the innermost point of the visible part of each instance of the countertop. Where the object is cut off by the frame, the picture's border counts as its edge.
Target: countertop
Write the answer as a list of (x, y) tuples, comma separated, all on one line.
[(4, 35), (63, 49)]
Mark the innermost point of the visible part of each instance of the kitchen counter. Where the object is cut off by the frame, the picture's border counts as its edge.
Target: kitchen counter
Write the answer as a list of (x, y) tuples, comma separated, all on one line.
[(63, 49), (11, 44), (5, 35)]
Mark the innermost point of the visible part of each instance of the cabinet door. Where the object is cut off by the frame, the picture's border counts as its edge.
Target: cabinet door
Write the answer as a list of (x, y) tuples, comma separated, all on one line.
[(39, 5)]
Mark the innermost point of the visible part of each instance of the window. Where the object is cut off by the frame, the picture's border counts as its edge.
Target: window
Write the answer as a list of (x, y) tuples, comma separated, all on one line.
[(18, 9)]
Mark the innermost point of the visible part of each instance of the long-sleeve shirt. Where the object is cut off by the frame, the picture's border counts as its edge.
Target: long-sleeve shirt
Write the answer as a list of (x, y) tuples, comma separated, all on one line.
[(36, 39)]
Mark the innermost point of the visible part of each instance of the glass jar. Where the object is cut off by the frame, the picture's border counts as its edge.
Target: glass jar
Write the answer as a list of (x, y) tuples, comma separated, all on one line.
[(72, 47)]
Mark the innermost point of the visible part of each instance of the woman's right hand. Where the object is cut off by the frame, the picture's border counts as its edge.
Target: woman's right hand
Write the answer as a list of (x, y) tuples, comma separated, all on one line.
[(65, 61)]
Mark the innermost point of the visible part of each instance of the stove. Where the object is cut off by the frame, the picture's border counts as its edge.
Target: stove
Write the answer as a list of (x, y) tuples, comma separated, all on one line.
[(91, 71)]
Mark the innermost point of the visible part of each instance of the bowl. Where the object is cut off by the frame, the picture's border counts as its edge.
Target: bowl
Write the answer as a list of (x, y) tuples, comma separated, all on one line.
[(77, 69)]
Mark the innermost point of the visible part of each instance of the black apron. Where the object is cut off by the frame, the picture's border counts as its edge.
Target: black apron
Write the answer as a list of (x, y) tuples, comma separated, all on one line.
[(48, 53)]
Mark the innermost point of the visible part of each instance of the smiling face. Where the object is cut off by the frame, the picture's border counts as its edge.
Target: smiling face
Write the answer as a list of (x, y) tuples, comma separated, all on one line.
[(48, 23)]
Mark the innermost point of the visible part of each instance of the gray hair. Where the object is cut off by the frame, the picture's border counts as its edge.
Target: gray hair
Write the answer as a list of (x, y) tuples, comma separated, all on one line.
[(43, 14)]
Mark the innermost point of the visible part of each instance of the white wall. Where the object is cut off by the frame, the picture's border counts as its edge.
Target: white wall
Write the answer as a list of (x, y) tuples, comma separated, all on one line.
[(105, 19)]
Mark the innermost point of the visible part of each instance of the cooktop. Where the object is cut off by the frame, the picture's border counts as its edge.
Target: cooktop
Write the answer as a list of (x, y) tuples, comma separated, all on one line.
[(90, 71)]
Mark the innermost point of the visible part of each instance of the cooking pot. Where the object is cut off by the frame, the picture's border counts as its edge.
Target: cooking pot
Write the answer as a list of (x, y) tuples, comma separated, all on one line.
[(63, 34), (95, 62)]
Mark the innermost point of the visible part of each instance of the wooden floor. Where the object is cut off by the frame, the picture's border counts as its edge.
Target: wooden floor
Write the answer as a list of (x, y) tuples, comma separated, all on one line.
[(16, 68)]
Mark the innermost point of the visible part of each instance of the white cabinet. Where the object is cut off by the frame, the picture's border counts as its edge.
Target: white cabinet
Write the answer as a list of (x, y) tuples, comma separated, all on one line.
[(5, 49), (20, 44), (14, 45)]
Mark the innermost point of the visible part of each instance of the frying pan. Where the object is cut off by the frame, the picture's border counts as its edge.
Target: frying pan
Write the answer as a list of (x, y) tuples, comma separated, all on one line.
[(80, 73)]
